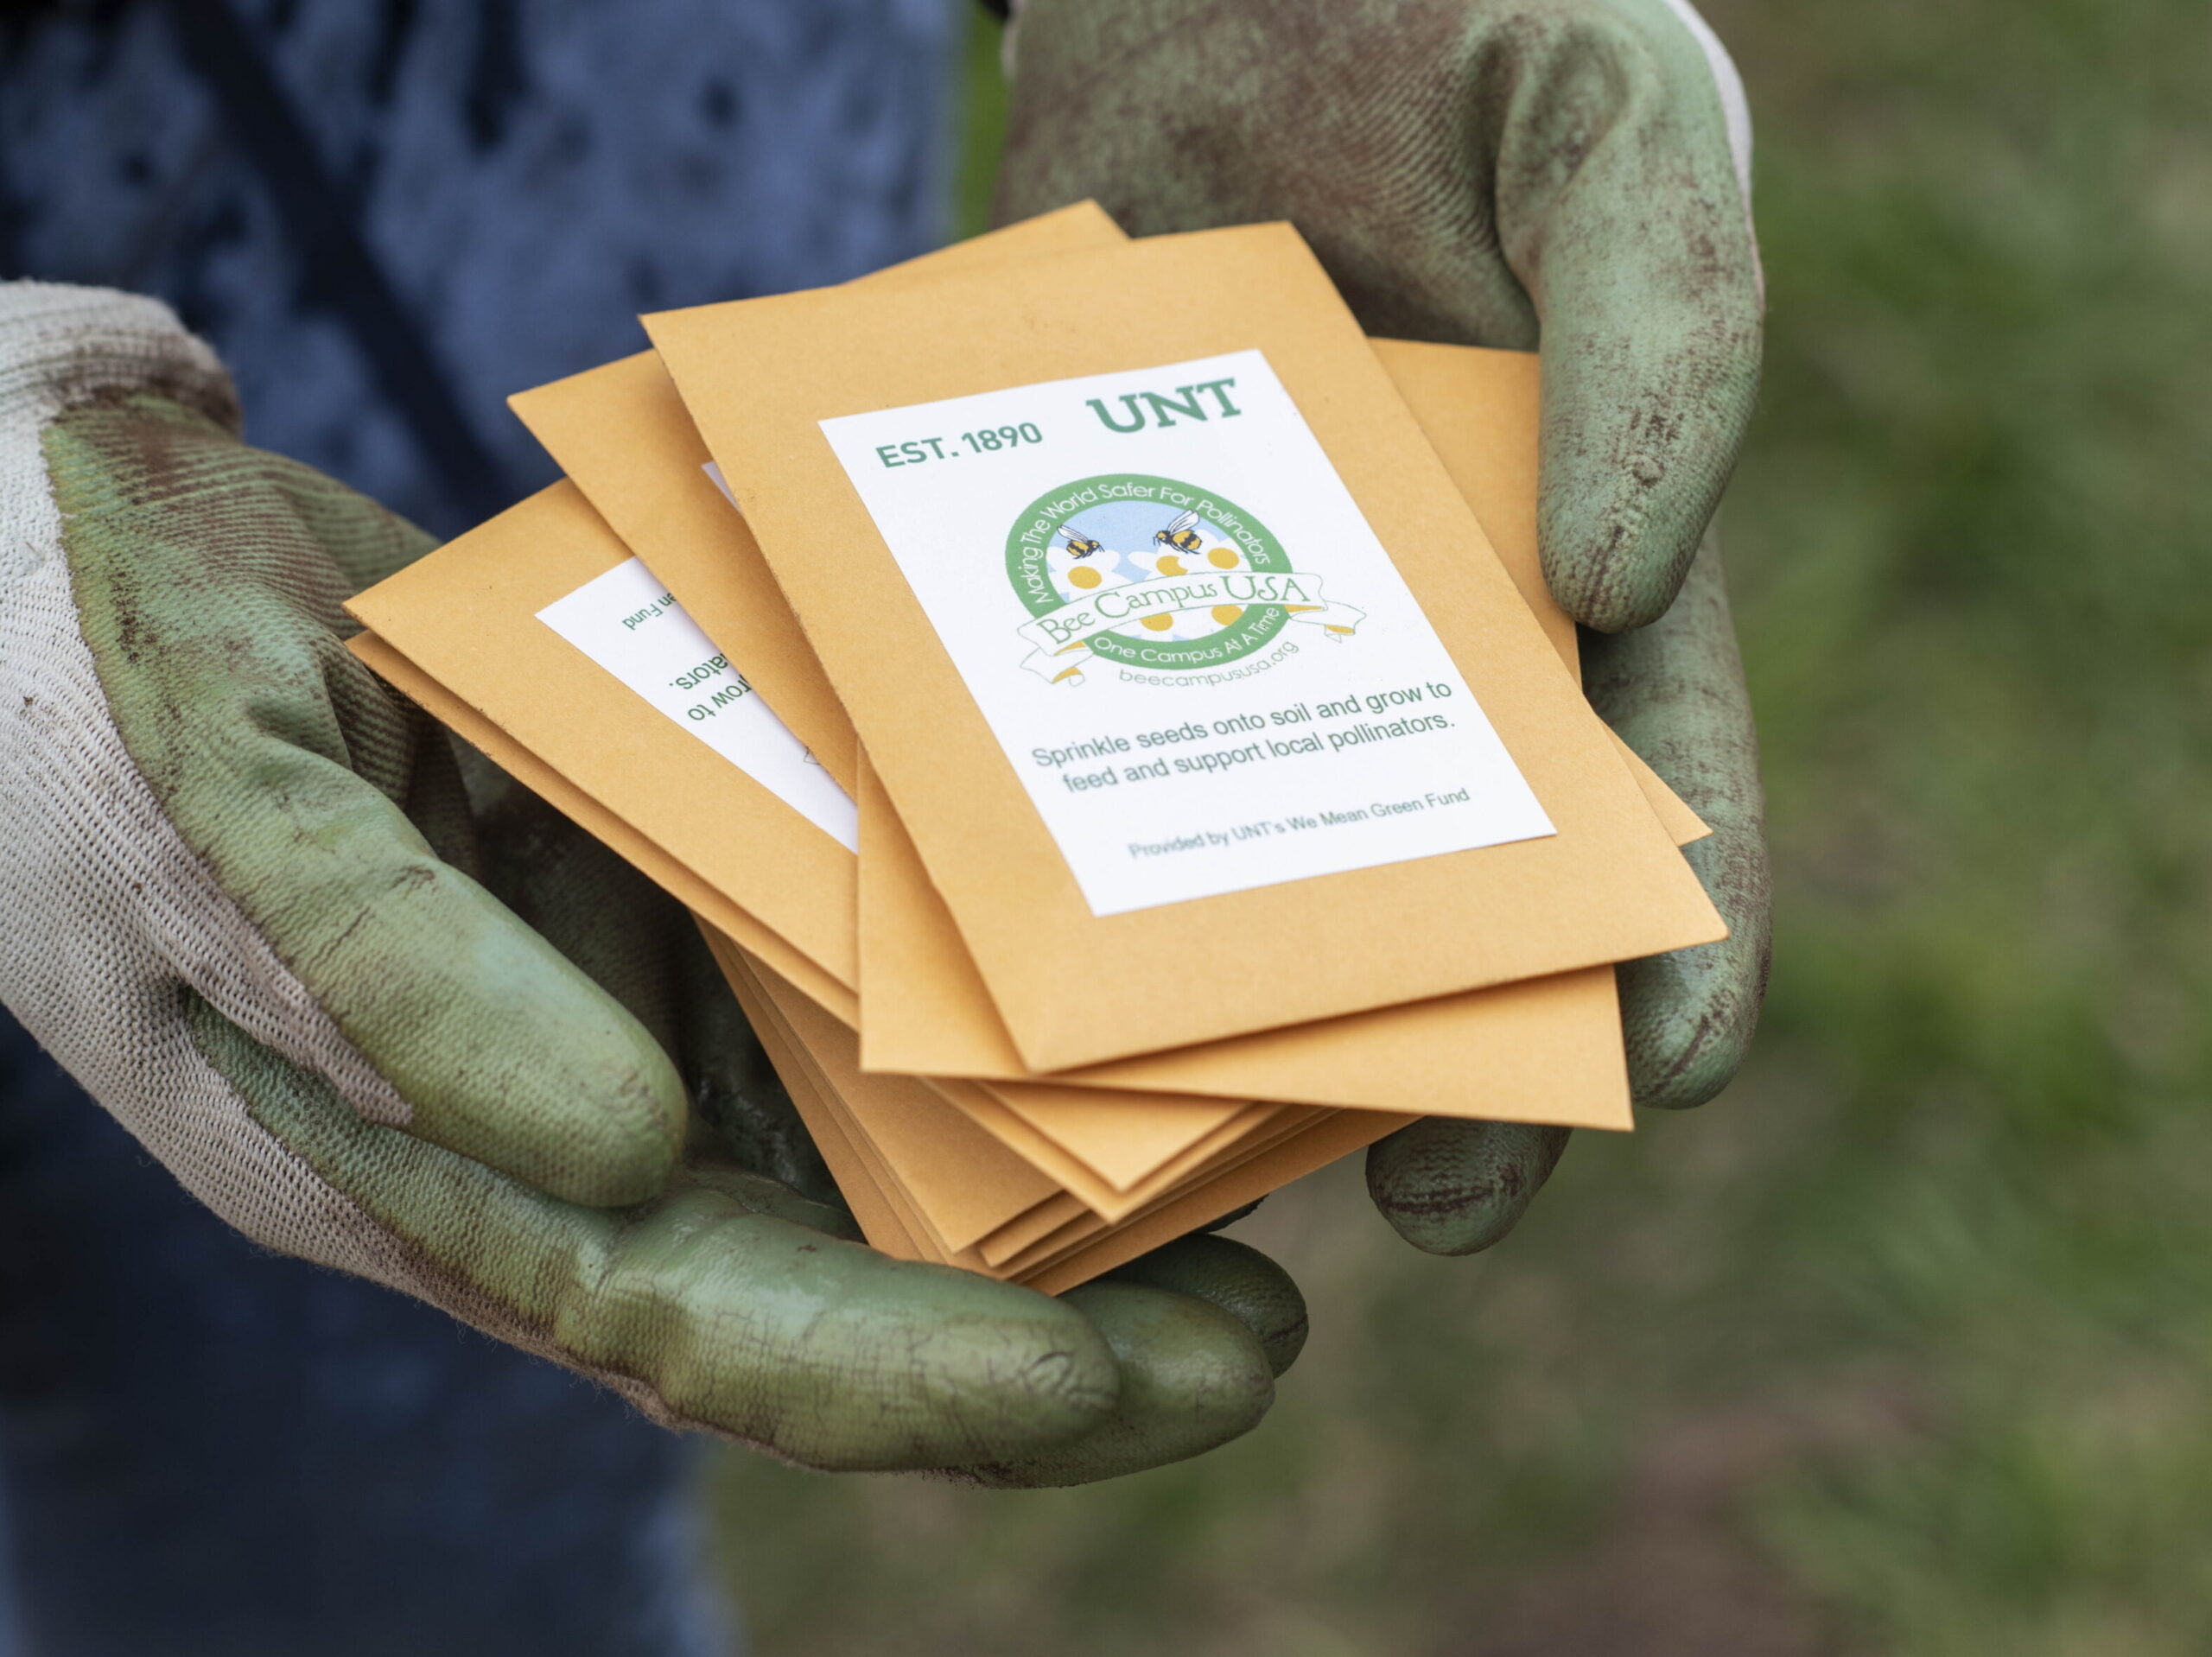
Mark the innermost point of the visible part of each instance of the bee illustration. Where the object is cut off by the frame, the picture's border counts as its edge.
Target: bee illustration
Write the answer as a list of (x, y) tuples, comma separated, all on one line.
[(1081, 546), (1180, 535)]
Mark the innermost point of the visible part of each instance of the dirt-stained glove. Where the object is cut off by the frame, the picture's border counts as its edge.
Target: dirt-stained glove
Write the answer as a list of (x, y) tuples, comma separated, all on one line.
[(380, 1006), (1503, 173)]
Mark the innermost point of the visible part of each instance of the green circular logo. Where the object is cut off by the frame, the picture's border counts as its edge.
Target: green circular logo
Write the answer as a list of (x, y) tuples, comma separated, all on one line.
[(1085, 542)]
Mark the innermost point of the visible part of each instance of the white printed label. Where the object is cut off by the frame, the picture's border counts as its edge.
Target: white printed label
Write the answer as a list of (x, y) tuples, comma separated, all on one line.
[(630, 624), (1203, 666)]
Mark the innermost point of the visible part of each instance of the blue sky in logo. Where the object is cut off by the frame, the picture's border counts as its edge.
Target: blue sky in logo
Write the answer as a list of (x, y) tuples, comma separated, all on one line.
[(1129, 526), (1125, 530)]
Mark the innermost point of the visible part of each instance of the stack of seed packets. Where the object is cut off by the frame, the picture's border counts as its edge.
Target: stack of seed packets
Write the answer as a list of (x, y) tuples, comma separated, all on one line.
[(1104, 711)]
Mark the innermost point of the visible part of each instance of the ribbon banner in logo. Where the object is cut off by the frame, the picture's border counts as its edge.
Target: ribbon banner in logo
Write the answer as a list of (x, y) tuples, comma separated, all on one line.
[(1060, 638)]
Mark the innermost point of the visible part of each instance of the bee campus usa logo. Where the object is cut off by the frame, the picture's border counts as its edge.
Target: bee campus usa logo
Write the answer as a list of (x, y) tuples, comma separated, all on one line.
[(1154, 574)]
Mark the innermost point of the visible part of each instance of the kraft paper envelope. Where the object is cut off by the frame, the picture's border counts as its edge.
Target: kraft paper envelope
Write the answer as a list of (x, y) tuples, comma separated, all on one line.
[(623, 436), (761, 378), (548, 784), (622, 430), (1066, 1253), (1116, 1150), (955, 1183), (1124, 1151), (1315, 1142), (1019, 1236), (1116, 1133), (930, 1012), (467, 614), (1073, 1250), (1014, 1244), (466, 619), (961, 1183), (652, 486), (1544, 1051), (888, 1181), (887, 1217), (1109, 1201), (881, 1220), (1338, 1134)]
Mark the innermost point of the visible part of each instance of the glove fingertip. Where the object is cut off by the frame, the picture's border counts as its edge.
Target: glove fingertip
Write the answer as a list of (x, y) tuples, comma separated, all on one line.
[(1639, 438), (1689, 1017), (1460, 1187), (1236, 1278), (595, 1114), (1192, 1377)]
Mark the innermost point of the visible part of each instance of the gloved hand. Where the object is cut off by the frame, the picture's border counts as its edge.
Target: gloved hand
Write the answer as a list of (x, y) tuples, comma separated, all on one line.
[(383, 1008), (1496, 173)]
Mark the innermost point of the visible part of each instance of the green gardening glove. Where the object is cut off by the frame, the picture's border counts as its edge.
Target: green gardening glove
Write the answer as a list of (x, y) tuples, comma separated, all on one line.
[(380, 1007), (1568, 174)]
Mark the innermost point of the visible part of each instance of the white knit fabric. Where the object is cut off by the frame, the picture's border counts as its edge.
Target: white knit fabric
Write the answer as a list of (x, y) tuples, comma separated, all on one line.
[(105, 912)]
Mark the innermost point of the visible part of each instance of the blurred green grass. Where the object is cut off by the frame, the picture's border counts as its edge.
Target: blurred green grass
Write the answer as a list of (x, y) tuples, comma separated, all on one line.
[(1901, 1345)]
